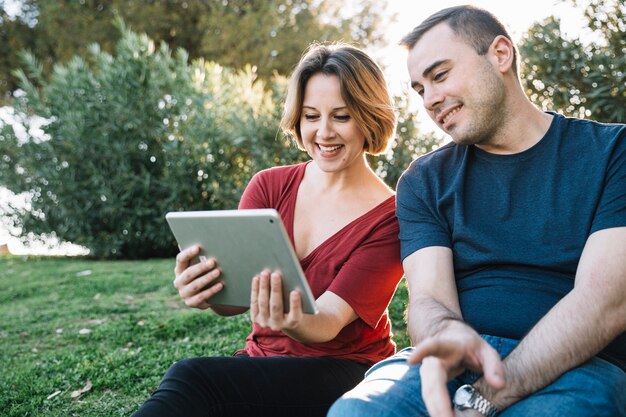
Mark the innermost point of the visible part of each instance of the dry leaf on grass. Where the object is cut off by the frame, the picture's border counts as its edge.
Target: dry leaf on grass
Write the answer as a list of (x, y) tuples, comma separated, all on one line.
[(78, 393)]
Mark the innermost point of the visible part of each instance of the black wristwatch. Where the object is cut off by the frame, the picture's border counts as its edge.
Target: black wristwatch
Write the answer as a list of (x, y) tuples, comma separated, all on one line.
[(468, 397)]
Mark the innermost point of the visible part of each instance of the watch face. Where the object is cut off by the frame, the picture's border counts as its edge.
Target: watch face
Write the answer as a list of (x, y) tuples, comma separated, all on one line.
[(463, 395)]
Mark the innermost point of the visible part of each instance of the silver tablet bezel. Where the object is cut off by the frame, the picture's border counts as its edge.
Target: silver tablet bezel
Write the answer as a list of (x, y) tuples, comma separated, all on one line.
[(244, 242)]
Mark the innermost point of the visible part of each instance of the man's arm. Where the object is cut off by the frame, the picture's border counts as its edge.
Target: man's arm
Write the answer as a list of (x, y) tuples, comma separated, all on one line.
[(432, 292), (576, 328), (444, 344)]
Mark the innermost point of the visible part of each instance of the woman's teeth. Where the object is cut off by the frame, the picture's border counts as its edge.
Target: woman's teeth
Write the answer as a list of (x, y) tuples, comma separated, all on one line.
[(329, 148)]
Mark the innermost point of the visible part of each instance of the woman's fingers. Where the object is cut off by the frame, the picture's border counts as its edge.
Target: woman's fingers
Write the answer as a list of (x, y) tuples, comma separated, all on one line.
[(254, 298), (267, 307), (202, 299), (260, 298), (276, 307), (184, 257), (196, 284), (295, 308)]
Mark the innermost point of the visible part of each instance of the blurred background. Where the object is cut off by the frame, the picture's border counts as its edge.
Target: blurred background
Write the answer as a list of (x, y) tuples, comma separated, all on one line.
[(114, 112)]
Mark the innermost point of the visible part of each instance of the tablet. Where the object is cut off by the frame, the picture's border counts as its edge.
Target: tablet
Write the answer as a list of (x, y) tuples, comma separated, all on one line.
[(244, 243)]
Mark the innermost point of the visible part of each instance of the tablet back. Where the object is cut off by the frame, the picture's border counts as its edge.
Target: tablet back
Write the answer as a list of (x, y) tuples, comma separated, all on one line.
[(244, 242)]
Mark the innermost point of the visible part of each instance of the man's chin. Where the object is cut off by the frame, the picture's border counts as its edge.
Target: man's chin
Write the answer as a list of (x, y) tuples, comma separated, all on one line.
[(463, 137)]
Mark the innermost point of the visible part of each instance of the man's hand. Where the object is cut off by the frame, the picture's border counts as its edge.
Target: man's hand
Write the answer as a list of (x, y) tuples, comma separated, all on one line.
[(443, 357)]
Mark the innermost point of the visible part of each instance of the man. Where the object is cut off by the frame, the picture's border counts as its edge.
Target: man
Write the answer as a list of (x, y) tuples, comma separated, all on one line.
[(513, 245)]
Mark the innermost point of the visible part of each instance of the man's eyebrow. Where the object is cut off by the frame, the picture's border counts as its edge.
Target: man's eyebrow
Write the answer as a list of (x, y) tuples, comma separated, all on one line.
[(434, 65), (430, 69)]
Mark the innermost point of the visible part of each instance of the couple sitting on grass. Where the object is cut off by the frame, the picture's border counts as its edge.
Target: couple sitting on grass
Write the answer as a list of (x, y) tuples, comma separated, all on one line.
[(512, 239)]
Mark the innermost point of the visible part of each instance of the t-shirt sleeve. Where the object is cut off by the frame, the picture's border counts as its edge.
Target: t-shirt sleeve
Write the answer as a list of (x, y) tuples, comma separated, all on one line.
[(368, 279), (611, 210), (255, 194), (420, 227)]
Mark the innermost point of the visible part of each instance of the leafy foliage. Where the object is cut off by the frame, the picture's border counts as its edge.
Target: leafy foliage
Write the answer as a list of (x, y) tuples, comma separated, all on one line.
[(270, 34), (134, 135), (577, 78), (409, 144)]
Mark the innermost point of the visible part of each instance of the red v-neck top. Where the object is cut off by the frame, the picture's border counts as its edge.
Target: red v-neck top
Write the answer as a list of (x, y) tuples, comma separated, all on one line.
[(360, 263)]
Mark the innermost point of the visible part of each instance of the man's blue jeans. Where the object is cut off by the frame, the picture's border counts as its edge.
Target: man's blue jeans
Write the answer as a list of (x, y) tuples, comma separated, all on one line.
[(391, 388)]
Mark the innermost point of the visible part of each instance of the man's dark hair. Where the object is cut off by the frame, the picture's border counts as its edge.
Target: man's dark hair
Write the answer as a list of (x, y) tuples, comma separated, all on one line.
[(476, 26)]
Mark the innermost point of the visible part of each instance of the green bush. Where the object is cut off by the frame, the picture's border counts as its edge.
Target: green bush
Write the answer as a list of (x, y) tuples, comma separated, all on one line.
[(132, 136), (576, 76)]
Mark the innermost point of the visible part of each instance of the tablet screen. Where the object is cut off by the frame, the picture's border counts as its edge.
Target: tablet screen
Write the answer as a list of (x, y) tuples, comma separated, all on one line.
[(244, 242)]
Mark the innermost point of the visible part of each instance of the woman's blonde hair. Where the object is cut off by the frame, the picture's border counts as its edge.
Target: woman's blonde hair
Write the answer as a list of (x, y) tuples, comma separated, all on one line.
[(363, 88)]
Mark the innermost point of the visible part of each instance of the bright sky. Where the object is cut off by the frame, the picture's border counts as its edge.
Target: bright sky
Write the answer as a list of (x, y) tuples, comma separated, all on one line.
[(518, 16)]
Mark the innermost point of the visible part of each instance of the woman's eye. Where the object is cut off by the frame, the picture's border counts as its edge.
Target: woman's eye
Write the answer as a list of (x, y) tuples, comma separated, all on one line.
[(310, 116), (342, 117)]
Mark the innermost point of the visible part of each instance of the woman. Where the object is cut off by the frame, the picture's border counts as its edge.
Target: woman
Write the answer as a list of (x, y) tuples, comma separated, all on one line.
[(341, 219)]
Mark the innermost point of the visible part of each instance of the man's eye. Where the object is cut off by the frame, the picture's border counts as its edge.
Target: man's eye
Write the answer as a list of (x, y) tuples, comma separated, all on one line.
[(440, 75)]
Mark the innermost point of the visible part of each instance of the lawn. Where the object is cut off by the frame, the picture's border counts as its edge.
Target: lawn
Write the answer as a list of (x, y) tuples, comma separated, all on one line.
[(93, 338)]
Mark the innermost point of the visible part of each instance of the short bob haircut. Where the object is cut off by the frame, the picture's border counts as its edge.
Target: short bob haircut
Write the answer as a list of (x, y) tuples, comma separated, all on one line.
[(363, 88), (476, 26)]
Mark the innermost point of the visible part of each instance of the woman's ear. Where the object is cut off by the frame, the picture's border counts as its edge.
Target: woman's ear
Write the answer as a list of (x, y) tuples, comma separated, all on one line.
[(502, 51)]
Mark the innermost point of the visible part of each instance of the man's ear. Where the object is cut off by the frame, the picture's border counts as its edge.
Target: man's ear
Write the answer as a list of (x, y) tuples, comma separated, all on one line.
[(502, 51)]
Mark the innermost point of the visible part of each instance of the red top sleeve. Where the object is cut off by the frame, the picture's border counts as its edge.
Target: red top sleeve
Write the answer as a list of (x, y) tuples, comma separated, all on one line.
[(360, 264)]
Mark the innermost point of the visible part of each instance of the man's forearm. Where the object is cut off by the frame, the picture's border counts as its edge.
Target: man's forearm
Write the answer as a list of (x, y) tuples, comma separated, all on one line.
[(576, 329), (427, 317)]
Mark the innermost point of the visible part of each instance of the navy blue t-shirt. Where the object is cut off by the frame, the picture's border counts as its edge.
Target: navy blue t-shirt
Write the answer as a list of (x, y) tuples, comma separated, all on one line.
[(517, 224)]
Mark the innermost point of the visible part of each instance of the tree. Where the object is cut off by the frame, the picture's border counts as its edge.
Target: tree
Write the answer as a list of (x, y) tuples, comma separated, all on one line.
[(268, 34), (409, 143), (15, 35), (133, 135), (578, 78)]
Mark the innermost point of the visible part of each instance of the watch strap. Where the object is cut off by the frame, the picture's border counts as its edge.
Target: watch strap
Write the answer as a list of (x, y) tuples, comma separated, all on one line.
[(483, 405)]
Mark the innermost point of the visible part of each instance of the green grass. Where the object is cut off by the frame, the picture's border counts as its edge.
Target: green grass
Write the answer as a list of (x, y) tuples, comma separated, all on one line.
[(136, 327)]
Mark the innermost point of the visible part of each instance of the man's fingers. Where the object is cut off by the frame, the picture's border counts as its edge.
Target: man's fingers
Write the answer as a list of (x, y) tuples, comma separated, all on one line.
[(492, 368), (431, 347), (434, 378)]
